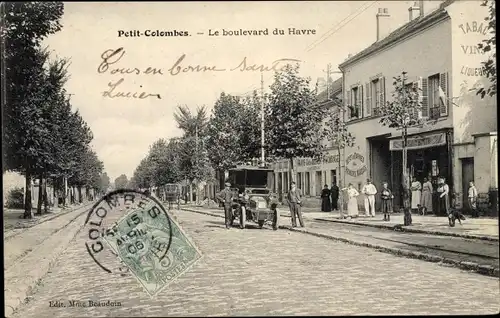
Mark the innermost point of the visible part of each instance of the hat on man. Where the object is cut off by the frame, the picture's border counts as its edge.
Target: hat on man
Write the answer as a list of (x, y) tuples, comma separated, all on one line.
[(227, 184)]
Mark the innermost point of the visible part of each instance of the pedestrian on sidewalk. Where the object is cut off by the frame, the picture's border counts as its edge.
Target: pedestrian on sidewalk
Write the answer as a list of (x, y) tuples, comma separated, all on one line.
[(426, 202), (325, 200), (369, 190), (352, 203), (294, 201), (334, 191), (416, 192), (473, 199), (387, 197), (226, 196), (444, 204)]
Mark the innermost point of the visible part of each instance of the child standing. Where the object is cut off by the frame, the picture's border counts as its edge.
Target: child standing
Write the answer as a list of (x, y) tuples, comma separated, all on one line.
[(386, 201), (473, 199)]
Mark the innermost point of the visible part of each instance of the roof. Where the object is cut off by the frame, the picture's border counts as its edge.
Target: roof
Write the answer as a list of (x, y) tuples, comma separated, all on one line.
[(401, 32), (335, 88), (248, 167)]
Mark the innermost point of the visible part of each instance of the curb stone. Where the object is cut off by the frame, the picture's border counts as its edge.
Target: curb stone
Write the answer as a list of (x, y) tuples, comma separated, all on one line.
[(21, 282), (408, 229), (487, 270)]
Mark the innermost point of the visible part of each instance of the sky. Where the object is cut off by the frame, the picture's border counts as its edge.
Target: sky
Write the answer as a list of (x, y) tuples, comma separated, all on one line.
[(124, 128)]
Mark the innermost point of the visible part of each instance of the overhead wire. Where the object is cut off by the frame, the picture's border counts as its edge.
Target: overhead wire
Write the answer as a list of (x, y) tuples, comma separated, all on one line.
[(328, 34)]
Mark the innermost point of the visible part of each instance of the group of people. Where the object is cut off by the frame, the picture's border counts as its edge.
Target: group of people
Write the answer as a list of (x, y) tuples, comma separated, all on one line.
[(421, 199), (369, 191), (330, 198)]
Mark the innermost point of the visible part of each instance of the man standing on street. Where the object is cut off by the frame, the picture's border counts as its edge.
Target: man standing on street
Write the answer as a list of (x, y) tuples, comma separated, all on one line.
[(294, 204), (226, 196), (369, 191), (335, 196)]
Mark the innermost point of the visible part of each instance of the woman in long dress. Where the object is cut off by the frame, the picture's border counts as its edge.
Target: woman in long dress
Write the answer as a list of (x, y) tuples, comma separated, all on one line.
[(352, 203), (444, 204), (325, 200), (426, 201), (416, 189)]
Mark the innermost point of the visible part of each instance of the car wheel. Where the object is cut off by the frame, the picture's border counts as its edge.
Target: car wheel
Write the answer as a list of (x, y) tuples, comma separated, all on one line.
[(243, 214), (261, 223)]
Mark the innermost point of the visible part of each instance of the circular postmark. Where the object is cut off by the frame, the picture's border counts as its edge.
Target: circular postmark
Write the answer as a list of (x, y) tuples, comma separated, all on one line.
[(131, 225)]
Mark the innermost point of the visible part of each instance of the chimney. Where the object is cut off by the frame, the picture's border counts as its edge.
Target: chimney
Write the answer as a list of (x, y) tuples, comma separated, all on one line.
[(414, 11), (383, 26)]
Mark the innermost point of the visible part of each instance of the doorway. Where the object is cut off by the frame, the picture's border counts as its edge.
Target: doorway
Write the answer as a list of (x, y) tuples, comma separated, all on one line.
[(467, 176), (333, 176), (318, 183)]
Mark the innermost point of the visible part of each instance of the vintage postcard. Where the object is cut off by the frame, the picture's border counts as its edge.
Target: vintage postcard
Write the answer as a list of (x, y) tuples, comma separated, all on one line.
[(250, 158)]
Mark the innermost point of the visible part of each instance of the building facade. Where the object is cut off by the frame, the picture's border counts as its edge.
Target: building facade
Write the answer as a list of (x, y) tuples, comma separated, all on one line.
[(438, 51)]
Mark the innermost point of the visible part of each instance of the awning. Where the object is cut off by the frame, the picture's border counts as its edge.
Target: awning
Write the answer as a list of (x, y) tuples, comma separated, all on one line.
[(419, 142)]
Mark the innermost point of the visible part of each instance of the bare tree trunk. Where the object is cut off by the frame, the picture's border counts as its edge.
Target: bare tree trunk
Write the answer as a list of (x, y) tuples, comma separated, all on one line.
[(80, 199), (406, 183), (45, 197), (190, 191), (28, 214), (292, 173), (341, 193), (197, 192), (65, 191), (40, 196)]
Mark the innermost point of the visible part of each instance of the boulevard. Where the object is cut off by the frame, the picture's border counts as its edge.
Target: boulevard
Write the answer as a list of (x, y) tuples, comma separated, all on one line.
[(263, 272)]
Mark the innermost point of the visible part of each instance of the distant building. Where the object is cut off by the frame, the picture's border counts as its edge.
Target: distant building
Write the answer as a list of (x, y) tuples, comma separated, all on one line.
[(438, 50)]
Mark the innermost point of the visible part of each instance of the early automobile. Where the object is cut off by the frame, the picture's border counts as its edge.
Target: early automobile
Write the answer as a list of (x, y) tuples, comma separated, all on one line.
[(254, 201), (172, 194)]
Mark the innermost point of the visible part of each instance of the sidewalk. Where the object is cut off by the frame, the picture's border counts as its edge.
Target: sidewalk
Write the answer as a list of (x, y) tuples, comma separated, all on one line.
[(470, 255), (29, 254), (481, 228)]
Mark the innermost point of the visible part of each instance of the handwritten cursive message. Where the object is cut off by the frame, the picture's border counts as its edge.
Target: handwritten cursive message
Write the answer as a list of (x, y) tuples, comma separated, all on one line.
[(111, 64)]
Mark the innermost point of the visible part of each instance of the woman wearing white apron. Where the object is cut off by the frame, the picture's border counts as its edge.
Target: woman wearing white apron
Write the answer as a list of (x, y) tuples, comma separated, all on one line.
[(416, 191)]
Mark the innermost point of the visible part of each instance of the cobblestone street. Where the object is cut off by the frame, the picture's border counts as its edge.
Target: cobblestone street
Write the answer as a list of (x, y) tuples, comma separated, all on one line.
[(265, 272)]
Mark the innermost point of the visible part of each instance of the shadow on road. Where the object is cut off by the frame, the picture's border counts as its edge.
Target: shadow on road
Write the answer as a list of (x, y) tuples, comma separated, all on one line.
[(235, 225)]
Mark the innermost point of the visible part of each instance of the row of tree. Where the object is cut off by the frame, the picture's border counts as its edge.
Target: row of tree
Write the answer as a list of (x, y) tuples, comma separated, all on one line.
[(295, 127), (43, 137)]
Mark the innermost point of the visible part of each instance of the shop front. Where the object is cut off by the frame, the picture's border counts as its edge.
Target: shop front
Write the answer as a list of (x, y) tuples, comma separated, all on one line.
[(429, 156)]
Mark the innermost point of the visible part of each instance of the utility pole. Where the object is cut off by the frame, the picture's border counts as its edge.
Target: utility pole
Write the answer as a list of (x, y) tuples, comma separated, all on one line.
[(328, 72), (262, 104), (197, 164)]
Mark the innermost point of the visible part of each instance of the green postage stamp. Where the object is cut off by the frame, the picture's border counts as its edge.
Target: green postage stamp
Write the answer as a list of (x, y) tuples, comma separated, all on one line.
[(152, 246)]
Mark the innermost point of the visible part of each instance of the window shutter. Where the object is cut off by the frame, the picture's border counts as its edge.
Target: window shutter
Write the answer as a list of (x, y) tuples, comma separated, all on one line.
[(348, 103), (424, 107), (368, 103), (360, 100), (443, 82), (382, 91), (424, 96)]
